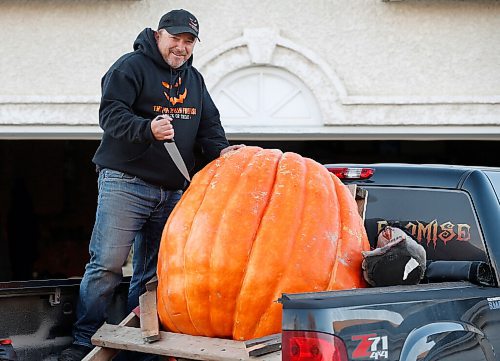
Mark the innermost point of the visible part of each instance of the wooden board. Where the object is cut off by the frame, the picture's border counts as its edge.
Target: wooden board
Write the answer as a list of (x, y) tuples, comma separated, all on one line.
[(361, 197), (105, 354), (263, 345), (149, 313), (176, 345)]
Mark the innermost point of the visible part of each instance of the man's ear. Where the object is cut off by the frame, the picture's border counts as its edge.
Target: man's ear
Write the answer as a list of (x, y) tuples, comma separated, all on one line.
[(157, 35)]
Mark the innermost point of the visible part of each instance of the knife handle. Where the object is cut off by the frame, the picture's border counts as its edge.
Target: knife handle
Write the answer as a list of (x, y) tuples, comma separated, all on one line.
[(161, 116)]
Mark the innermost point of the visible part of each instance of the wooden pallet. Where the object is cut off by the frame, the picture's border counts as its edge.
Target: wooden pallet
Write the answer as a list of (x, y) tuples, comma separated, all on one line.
[(147, 338)]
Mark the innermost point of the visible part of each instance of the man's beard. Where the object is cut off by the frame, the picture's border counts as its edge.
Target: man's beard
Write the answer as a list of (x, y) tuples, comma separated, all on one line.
[(175, 63)]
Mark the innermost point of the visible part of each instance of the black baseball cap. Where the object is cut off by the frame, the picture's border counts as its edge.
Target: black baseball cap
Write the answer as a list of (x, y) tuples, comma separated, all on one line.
[(178, 22)]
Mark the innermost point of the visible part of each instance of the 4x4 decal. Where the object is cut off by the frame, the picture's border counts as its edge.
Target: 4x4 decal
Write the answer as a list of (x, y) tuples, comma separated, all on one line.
[(371, 347)]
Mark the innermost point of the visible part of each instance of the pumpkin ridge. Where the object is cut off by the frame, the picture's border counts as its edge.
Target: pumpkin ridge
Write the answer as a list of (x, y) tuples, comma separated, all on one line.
[(215, 165), (264, 268), (313, 241), (234, 241), (333, 272), (333, 190), (322, 229), (163, 312), (205, 228), (333, 276), (188, 326), (264, 315)]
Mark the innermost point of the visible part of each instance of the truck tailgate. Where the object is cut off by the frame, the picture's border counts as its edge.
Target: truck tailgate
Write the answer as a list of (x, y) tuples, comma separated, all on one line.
[(402, 322)]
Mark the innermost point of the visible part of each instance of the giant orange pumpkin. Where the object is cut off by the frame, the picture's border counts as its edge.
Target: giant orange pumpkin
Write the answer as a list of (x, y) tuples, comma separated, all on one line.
[(253, 224)]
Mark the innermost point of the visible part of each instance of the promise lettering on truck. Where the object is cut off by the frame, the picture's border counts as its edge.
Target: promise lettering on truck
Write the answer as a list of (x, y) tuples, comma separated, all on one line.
[(433, 232)]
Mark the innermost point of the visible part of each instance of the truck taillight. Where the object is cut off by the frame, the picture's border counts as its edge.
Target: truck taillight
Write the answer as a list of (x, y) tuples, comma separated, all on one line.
[(351, 173), (312, 346)]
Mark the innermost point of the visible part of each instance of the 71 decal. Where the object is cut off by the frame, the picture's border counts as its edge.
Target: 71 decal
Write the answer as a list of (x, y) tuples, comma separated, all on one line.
[(371, 346)]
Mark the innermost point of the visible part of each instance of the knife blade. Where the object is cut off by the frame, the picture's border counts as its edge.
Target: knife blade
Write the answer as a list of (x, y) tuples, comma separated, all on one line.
[(174, 153)]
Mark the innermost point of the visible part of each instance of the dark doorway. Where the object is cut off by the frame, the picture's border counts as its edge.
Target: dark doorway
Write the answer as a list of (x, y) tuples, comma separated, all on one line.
[(48, 192)]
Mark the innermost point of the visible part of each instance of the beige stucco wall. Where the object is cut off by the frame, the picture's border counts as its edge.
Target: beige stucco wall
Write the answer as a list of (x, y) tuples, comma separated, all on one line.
[(425, 66)]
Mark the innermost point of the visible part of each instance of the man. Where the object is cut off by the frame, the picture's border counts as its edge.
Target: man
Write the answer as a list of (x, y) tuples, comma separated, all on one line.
[(148, 95)]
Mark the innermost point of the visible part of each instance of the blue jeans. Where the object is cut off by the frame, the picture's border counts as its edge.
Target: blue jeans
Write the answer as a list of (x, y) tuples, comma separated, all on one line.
[(129, 211)]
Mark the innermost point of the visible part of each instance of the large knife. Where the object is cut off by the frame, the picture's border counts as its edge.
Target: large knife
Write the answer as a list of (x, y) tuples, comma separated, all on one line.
[(174, 153)]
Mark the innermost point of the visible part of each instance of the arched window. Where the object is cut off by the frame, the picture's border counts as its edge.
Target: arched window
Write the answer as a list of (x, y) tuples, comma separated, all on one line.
[(265, 96)]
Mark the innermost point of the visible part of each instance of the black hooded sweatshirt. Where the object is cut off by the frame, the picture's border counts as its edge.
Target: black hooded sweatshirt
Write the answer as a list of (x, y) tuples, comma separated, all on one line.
[(140, 86)]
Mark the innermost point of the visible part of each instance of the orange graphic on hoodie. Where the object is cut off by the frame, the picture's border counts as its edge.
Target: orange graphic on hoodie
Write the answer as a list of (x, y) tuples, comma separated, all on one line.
[(174, 100)]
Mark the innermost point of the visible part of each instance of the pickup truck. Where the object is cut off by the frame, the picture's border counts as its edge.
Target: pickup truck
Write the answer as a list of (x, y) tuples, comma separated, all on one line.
[(454, 212), (37, 317)]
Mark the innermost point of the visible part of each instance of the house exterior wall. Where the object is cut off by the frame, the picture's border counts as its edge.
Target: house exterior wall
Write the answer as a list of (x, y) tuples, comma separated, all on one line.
[(405, 69)]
